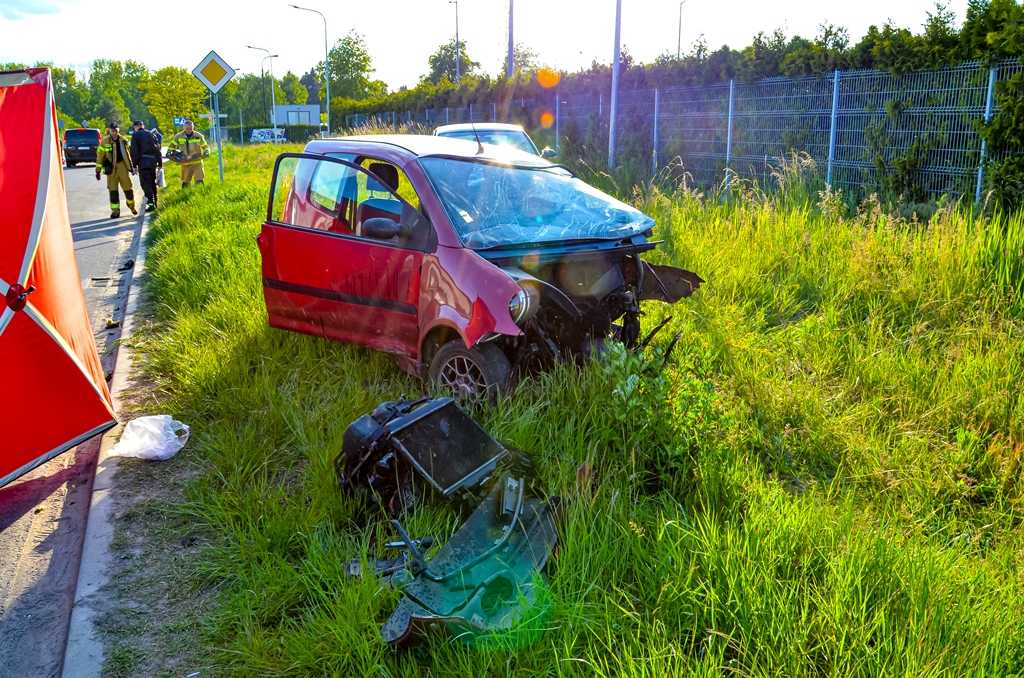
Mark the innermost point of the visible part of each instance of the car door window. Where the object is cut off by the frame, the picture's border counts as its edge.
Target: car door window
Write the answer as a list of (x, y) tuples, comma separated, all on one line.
[(339, 196), (327, 185), (403, 187)]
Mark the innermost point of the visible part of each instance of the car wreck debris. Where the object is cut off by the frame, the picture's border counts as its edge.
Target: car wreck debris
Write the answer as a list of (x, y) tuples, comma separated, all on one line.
[(484, 581), (405, 446)]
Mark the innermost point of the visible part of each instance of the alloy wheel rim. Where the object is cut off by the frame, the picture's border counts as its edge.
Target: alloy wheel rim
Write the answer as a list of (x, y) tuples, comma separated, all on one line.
[(463, 376)]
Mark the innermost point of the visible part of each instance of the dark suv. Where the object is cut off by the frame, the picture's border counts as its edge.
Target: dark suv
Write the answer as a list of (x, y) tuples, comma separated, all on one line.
[(80, 145)]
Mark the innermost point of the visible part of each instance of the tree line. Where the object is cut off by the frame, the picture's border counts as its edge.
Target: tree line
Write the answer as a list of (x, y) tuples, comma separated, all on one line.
[(124, 91)]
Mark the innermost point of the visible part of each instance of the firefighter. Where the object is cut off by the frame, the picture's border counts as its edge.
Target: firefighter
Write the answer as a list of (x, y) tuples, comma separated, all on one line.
[(145, 152), (190, 146), (114, 159)]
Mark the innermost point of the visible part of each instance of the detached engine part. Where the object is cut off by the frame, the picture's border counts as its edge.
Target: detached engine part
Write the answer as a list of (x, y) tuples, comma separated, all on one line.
[(401, 442)]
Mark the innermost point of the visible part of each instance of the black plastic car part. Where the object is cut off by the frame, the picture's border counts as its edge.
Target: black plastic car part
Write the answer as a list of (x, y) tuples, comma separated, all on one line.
[(404, 441)]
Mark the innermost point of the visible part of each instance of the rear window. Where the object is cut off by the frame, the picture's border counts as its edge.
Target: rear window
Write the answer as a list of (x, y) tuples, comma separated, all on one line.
[(82, 137), (513, 138)]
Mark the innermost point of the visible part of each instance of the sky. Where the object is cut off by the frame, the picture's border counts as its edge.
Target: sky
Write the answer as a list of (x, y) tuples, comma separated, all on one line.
[(401, 34)]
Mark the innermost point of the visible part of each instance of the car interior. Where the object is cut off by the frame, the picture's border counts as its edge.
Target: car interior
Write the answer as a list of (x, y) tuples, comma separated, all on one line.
[(378, 205)]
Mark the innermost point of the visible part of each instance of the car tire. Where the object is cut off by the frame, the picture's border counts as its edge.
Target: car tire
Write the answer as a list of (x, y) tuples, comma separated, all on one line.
[(477, 373), (71, 164)]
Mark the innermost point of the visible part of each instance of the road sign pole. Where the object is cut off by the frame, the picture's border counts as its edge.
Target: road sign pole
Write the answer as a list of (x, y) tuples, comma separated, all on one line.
[(216, 127)]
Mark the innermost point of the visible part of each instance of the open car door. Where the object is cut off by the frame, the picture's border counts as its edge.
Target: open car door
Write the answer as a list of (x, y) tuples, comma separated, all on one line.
[(323, 272)]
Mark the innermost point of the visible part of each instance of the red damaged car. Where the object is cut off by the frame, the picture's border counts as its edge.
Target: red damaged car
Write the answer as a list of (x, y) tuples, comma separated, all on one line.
[(465, 261)]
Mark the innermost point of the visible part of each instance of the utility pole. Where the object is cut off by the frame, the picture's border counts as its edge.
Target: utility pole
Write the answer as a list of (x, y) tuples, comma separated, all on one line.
[(614, 106), (327, 65), (679, 39), (458, 52), (238, 102), (273, 86), (511, 42)]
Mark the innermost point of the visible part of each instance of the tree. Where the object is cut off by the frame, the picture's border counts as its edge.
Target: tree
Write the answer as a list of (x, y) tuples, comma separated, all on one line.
[(524, 59), (70, 93), (171, 92), (311, 81), (294, 92), (351, 67), (442, 63), (115, 90)]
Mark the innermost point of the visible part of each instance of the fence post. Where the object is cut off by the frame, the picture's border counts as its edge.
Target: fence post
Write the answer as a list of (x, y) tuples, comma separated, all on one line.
[(494, 112), (989, 96), (558, 122), (728, 133), (446, 115), (600, 105), (654, 141), (833, 128)]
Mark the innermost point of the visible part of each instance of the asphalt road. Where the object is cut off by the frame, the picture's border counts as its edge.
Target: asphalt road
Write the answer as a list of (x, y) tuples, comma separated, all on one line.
[(43, 513)]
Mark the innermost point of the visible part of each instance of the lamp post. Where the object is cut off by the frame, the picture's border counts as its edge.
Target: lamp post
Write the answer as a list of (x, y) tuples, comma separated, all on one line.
[(458, 52), (273, 99), (327, 65), (238, 102), (679, 39), (511, 43), (614, 106)]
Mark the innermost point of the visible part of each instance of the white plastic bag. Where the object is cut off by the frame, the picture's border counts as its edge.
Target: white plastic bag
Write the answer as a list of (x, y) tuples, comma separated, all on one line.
[(161, 181), (157, 437)]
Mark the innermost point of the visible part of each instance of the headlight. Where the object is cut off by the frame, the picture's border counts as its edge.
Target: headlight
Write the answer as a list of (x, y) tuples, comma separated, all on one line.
[(519, 305)]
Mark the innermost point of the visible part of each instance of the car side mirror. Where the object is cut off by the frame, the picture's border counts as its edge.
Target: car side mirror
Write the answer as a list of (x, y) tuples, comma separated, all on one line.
[(548, 152), (382, 228)]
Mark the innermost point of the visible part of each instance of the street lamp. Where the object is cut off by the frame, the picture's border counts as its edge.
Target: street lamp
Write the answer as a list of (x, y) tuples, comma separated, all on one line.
[(614, 107), (327, 66), (458, 52), (511, 63), (679, 40), (273, 100), (238, 102)]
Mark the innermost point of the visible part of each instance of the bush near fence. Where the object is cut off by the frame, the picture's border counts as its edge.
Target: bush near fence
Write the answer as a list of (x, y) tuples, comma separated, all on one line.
[(911, 126)]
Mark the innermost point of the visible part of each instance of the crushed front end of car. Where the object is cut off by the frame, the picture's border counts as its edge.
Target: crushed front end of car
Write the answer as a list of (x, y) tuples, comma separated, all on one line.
[(574, 301), (574, 252)]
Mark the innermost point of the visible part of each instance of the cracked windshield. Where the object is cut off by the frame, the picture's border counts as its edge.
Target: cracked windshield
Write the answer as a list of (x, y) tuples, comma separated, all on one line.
[(494, 206)]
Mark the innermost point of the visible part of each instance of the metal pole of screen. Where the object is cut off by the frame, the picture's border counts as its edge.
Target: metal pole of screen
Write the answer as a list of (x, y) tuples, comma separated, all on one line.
[(220, 147)]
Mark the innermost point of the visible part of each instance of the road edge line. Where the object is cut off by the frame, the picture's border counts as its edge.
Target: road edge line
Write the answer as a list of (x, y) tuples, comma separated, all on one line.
[(83, 649)]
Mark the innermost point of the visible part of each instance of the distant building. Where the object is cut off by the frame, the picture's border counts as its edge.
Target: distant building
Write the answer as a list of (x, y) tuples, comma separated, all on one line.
[(297, 114)]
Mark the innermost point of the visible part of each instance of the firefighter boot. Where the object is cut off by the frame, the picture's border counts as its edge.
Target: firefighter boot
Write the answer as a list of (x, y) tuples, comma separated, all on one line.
[(129, 197), (115, 205)]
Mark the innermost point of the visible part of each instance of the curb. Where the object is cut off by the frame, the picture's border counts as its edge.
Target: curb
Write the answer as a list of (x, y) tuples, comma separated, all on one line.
[(83, 653)]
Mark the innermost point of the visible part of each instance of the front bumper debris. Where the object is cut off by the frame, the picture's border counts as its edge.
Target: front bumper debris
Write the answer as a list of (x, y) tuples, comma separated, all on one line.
[(484, 584)]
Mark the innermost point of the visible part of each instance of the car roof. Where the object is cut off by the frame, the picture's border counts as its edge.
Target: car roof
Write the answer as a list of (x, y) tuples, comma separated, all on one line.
[(480, 127), (422, 145)]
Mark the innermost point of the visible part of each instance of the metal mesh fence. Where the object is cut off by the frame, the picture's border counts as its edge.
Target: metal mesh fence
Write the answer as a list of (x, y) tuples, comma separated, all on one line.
[(914, 134)]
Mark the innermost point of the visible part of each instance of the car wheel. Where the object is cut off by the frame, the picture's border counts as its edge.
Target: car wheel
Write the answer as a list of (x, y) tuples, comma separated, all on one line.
[(470, 373), (71, 164)]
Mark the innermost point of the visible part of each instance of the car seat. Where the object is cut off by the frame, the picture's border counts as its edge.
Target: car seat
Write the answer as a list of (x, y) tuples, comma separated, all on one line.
[(388, 207)]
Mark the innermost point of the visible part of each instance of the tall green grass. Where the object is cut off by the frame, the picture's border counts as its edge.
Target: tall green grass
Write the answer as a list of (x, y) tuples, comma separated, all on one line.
[(824, 481)]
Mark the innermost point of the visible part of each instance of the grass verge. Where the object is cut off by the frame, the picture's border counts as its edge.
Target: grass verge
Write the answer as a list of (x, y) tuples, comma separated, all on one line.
[(823, 481)]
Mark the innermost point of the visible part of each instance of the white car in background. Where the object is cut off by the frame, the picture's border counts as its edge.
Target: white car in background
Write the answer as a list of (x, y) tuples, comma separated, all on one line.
[(495, 134)]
